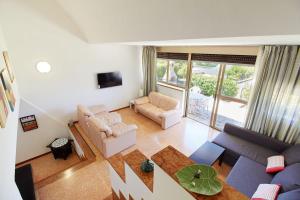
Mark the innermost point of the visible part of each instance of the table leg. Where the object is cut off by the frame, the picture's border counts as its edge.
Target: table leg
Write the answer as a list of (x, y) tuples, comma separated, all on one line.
[(221, 159)]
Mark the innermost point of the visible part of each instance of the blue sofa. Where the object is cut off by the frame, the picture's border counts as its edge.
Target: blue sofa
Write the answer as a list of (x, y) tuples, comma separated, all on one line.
[(247, 151)]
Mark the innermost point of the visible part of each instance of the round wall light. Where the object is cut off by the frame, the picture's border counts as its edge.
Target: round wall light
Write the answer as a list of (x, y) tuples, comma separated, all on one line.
[(43, 67)]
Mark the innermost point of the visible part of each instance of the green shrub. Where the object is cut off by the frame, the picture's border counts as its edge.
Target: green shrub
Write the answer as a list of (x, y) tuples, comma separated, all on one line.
[(180, 68), (246, 92), (239, 72), (208, 84), (161, 68), (230, 88)]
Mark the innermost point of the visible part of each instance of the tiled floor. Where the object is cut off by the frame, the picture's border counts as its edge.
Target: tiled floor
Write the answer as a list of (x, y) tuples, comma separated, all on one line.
[(92, 181)]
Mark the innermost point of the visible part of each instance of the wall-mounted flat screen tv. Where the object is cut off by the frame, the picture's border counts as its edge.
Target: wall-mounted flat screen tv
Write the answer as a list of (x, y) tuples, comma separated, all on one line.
[(109, 79)]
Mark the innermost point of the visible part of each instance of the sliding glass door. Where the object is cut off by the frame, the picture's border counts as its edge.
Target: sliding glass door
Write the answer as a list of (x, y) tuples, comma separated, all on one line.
[(233, 95), (219, 92), (203, 86)]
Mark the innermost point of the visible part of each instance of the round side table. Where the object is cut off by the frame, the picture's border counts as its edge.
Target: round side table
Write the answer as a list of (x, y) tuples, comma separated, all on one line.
[(61, 148)]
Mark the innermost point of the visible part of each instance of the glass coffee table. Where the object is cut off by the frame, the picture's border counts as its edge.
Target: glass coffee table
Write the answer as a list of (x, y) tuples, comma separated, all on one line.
[(208, 154)]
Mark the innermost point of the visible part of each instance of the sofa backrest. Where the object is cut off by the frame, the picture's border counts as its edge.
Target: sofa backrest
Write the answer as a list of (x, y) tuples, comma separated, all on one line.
[(162, 101), (292, 154), (154, 98), (291, 195), (83, 111), (256, 138), (289, 178)]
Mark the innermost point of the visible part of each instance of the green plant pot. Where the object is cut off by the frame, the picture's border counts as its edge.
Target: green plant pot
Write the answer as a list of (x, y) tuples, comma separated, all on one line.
[(147, 166)]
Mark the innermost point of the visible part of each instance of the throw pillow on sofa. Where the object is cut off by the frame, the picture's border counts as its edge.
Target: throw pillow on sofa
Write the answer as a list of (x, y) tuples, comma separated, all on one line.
[(289, 178), (275, 164), (291, 155), (266, 192)]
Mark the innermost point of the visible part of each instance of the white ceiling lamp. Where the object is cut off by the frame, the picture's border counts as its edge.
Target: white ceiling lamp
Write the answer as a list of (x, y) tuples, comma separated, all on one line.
[(43, 67)]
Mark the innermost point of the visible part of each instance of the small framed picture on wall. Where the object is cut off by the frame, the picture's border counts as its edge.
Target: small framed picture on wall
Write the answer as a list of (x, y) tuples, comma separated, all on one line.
[(29, 123)]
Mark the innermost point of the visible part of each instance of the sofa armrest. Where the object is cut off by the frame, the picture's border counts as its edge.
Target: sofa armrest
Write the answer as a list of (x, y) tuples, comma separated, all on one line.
[(141, 100), (170, 118), (255, 137), (169, 113), (128, 128)]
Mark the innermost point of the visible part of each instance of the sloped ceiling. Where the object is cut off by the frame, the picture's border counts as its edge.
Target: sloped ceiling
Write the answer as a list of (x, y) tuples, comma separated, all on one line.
[(156, 20)]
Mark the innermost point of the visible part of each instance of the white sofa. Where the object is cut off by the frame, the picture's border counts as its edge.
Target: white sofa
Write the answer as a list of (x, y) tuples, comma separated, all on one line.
[(106, 129), (160, 108)]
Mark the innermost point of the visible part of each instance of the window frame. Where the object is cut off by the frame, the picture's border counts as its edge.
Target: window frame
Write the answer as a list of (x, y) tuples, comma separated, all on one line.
[(228, 98), (165, 83)]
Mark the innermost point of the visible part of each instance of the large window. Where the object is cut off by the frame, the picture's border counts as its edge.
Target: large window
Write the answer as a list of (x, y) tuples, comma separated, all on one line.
[(161, 70), (219, 91), (219, 85), (172, 71)]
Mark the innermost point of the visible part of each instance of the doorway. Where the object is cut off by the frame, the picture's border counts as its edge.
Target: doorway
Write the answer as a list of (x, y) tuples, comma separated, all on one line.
[(218, 93)]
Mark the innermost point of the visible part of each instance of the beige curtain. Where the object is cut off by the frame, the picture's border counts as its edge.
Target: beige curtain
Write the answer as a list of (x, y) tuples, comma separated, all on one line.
[(274, 105), (149, 69)]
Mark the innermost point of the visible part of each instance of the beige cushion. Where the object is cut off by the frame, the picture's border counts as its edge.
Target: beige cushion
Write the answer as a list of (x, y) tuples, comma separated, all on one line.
[(168, 103), (161, 109), (109, 118), (162, 101), (151, 111), (121, 128), (100, 125), (154, 98)]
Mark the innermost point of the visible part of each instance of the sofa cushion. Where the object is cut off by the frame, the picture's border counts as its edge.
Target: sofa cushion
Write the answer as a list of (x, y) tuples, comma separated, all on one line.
[(289, 178), (109, 118), (121, 128), (291, 195), (154, 98), (168, 103), (100, 126), (291, 155), (151, 111), (246, 175), (244, 148)]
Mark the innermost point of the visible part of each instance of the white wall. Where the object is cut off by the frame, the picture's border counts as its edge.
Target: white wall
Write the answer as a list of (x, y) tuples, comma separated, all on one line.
[(33, 36), (33, 143), (8, 139), (144, 20)]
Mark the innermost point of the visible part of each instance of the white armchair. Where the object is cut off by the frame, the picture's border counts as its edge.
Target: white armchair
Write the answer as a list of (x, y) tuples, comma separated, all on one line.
[(160, 108)]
